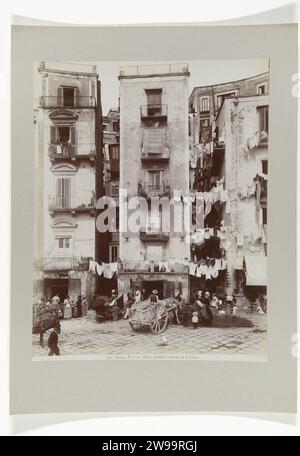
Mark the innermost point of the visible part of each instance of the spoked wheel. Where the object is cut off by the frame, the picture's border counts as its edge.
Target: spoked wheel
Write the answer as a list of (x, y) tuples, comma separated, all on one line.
[(159, 323)]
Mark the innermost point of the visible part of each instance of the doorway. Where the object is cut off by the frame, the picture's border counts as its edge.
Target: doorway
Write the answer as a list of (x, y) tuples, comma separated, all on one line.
[(56, 286), (149, 285)]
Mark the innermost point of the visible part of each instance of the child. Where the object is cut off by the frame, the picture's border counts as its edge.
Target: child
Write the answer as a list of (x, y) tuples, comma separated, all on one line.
[(195, 319)]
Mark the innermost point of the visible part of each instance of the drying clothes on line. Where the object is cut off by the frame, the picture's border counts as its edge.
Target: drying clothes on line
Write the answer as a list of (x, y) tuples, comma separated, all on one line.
[(223, 195), (163, 266), (107, 272), (193, 268), (208, 232), (177, 195), (208, 202), (198, 237), (92, 266), (216, 193), (240, 240), (223, 265), (214, 271), (99, 269), (114, 267), (228, 206), (201, 270), (59, 149)]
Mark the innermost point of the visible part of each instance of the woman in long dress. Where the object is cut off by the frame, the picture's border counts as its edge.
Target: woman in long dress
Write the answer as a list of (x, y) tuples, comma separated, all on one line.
[(67, 308)]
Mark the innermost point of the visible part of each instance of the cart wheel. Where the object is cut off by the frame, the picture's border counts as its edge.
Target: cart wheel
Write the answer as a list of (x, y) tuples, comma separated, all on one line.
[(136, 326), (159, 323)]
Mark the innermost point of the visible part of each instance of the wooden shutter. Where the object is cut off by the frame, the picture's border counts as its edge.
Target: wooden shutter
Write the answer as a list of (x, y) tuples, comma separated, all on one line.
[(63, 192), (154, 97), (76, 97), (52, 135), (59, 193), (73, 139), (154, 140), (60, 96)]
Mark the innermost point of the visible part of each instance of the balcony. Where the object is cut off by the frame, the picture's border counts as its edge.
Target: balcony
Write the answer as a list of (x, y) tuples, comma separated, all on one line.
[(152, 191), (150, 236), (53, 102), (158, 157), (154, 112), (71, 152), (57, 263), (72, 205)]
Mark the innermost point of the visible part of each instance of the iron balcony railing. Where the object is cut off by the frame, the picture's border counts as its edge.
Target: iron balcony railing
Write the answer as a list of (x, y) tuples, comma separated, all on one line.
[(67, 102), (53, 263), (154, 110), (148, 191), (69, 203), (71, 150), (153, 236)]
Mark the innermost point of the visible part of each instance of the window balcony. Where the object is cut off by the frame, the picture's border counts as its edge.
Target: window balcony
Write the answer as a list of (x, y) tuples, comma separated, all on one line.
[(72, 205), (54, 102), (56, 263), (154, 112), (72, 152), (156, 236), (152, 191), (161, 156)]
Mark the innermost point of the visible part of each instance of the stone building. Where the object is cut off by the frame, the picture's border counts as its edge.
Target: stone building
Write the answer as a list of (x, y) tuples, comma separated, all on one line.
[(111, 174), (66, 117), (154, 162), (228, 126)]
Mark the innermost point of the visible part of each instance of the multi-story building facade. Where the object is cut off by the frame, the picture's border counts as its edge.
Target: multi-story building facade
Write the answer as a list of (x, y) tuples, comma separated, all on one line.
[(228, 126), (111, 175), (154, 162), (67, 115)]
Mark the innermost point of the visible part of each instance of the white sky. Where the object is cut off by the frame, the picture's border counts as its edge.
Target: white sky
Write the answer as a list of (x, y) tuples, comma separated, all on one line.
[(203, 72)]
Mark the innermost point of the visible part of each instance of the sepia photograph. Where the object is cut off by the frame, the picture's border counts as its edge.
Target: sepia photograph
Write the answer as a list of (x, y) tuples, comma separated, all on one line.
[(150, 209)]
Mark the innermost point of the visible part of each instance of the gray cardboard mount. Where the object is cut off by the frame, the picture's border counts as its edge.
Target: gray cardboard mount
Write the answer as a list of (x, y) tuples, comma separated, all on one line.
[(158, 386)]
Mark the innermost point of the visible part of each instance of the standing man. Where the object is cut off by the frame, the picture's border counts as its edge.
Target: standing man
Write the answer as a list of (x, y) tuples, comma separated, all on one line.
[(53, 341)]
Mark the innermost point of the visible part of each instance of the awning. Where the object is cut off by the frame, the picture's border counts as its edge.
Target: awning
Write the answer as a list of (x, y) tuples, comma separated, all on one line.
[(256, 270)]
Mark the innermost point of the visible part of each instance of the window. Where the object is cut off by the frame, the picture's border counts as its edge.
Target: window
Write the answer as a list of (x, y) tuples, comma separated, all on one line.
[(154, 219), (62, 135), (221, 98), (264, 166), (154, 102), (63, 243), (264, 211), (154, 179), (114, 152), (204, 106), (63, 193), (105, 127), (153, 140), (261, 89), (263, 112), (113, 253), (116, 126)]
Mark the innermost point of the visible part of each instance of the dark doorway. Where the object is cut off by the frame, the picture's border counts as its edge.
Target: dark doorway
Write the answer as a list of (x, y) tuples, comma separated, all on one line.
[(150, 285), (56, 286)]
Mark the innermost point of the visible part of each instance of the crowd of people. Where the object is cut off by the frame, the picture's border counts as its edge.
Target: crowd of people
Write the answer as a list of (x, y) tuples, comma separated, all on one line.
[(63, 309)]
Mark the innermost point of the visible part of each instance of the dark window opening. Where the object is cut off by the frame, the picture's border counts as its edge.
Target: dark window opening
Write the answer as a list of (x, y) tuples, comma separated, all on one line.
[(69, 96)]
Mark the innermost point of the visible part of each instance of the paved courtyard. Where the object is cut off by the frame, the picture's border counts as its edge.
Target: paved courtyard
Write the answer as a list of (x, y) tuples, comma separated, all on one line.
[(85, 336)]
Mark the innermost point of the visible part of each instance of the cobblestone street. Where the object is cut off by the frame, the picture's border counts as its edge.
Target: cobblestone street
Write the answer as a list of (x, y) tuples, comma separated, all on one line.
[(85, 336)]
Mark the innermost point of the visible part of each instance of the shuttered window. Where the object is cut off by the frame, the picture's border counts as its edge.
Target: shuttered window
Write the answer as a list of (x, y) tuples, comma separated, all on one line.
[(63, 192), (154, 140), (153, 97)]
